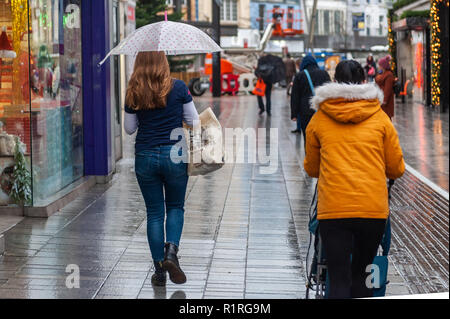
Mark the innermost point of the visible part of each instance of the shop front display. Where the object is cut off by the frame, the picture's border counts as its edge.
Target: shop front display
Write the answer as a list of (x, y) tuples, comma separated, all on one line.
[(41, 100)]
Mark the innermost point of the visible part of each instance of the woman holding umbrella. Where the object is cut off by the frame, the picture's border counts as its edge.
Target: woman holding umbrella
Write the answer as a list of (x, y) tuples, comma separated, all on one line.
[(156, 104)]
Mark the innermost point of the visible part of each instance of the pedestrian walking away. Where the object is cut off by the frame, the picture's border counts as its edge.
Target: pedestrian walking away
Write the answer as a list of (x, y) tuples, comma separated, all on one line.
[(302, 92), (156, 104), (352, 147), (291, 70), (271, 70), (386, 80)]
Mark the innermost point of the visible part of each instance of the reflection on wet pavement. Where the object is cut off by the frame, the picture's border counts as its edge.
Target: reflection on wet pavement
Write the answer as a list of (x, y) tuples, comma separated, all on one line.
[(245, 233), (423, 134)]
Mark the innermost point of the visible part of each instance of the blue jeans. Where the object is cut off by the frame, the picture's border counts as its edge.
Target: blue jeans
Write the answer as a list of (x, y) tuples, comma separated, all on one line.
[(163, 186), (299, 123)]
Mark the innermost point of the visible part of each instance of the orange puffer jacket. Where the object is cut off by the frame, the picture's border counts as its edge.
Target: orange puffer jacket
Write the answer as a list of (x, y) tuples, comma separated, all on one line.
[(352, 147)]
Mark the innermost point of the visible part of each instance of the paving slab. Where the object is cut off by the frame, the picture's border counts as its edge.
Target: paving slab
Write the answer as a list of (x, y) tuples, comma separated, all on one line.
[(245, 233)]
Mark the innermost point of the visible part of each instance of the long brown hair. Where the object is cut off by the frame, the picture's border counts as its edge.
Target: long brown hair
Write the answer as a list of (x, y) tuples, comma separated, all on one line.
[(150, 82)]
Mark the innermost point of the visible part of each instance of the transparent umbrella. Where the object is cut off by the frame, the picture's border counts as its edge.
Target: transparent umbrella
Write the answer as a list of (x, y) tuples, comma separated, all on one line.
[(173, 38)]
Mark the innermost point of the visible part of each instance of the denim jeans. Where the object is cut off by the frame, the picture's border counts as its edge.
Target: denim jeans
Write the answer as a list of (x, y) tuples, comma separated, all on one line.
[(163, 186), (299, 123)]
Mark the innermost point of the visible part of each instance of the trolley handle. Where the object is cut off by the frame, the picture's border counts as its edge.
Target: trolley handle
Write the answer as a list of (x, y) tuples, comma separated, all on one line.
[(390, 184)]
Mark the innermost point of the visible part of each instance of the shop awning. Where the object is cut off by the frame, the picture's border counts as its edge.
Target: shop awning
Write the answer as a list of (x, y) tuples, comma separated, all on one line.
[(411, 23)]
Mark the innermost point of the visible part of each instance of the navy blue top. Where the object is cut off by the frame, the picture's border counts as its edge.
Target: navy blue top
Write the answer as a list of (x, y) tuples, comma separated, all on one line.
[(156, 125)]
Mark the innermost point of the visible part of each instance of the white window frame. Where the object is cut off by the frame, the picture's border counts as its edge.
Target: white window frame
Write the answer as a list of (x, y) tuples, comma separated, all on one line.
[(170, 3), (226, 11), (381, 25)]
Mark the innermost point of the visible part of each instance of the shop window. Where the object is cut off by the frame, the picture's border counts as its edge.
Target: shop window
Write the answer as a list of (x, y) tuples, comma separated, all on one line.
[(14, 92), (56, 96)]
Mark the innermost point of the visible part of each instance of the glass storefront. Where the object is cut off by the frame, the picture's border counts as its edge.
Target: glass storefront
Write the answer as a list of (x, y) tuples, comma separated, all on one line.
[(41, 99)]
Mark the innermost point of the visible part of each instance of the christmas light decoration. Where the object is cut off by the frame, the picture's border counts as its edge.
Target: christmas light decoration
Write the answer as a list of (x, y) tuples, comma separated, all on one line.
[(436, 50), (20, 15), (392, 43), (19, 12)]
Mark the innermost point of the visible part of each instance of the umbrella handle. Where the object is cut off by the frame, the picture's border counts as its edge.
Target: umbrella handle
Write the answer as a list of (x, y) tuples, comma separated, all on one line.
[(104, 60), (165, 15)]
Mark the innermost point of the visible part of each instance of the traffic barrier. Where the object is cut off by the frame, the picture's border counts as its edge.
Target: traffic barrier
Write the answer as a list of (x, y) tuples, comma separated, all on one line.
[(230, 83), (247, 82)]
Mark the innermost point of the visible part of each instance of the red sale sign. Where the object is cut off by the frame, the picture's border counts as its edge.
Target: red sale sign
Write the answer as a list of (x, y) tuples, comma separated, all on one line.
[(131, 13)]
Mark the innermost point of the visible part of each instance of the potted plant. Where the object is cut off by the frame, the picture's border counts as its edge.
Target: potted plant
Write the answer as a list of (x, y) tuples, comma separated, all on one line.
[(21, 188)]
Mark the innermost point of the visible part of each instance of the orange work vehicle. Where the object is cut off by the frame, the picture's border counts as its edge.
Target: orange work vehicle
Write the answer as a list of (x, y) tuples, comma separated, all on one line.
[(282, 17), (229, 81)]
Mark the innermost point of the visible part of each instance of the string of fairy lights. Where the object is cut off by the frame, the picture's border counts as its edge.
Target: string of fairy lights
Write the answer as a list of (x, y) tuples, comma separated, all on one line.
[(436, 55), (19, 12), (392, 43)]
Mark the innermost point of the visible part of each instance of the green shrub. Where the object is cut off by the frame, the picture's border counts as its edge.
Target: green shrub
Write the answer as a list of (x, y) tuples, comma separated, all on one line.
[(21, 188), (411, 13), (401, 3)]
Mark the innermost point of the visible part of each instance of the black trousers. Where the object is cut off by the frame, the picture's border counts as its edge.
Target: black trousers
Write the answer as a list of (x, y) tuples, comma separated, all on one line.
[(350, 245), (304, 121), (268, 93)]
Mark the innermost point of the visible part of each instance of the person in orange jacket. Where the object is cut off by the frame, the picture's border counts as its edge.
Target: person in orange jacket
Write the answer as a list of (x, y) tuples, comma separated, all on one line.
[(352, 147)]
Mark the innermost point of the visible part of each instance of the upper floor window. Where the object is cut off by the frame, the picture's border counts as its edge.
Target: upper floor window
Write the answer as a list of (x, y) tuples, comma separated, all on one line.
[(326, 21), (381, 24), (173, 2), (228, 10), (338, 22)]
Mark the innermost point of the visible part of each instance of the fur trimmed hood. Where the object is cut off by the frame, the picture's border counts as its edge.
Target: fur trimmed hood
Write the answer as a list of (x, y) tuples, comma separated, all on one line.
[(352, 92), (348, 102)]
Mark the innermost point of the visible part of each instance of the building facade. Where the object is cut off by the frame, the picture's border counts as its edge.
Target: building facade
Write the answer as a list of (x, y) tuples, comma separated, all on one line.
[(234, 14), (63, 108), (412, 37), (349, 24)]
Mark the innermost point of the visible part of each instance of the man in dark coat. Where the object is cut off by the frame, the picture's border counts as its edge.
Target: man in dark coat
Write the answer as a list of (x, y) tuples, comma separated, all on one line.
[(271, 69), (301, 92)]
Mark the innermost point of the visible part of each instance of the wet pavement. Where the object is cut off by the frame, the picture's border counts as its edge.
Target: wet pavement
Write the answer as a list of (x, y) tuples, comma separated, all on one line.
[(423, 134), (245, 233)]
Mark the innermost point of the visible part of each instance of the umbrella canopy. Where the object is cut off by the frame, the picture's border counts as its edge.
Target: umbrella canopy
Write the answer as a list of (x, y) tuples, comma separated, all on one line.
[(271, 68), (173, 38)]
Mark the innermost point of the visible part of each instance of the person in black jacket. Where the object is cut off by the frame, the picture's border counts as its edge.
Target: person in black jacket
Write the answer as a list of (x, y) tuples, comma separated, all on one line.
[(271, 69), (301, 92)]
